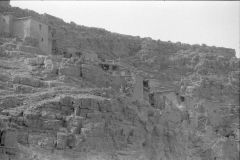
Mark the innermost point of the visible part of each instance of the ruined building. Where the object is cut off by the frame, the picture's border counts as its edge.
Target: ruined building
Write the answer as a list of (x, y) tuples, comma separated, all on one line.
[(5, 3), (28, 29)]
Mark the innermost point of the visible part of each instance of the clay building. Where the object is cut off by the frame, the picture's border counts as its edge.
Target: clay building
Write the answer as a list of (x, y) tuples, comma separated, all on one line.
[(28, 29)]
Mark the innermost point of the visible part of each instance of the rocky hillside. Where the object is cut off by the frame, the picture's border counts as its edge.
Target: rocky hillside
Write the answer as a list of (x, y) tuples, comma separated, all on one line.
[(70, 109)]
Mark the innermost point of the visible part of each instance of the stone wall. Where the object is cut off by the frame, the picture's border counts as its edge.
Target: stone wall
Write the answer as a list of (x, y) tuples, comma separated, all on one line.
[(40, 32), (5, 3), (6, 24), (3, 25), (27, 28), (21, 28)]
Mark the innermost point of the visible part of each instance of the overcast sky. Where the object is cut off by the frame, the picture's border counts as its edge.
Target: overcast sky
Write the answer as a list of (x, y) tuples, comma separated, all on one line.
[(212, 23)]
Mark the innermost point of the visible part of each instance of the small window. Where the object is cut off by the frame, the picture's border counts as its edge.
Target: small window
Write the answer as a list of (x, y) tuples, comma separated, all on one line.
[(40, 26), (145, 83), (182, 98), (42, 39)]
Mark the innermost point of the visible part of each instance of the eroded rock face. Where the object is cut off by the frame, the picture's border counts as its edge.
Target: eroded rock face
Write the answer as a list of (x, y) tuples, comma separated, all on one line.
[(62, 117), (64, 108)]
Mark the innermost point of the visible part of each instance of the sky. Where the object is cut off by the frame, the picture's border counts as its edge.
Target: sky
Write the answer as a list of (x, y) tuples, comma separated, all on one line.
[(210, 22)]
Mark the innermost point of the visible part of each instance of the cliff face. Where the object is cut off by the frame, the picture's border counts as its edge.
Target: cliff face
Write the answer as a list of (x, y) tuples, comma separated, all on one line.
[(67, 108)]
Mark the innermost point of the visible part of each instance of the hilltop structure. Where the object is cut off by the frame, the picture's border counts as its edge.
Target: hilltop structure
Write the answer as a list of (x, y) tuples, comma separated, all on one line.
[(102, 95), (5, 3), (28, 29)]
